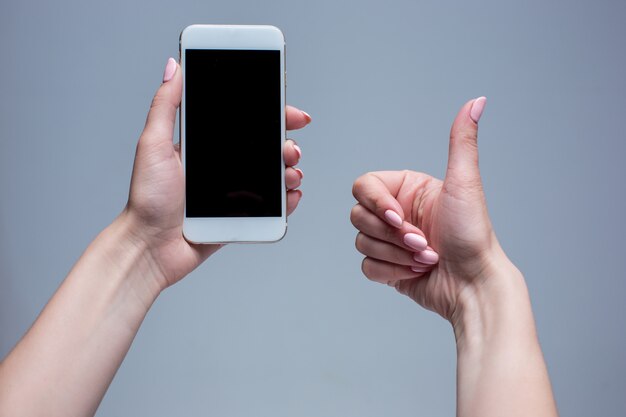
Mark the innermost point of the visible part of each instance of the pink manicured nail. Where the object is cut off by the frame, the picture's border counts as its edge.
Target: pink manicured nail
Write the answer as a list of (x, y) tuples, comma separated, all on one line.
[(477, 108), (298, 150), (170, 70), (419, 269), (299, 171), (428, 256), (306, 116), (415, 241), (393, 218)]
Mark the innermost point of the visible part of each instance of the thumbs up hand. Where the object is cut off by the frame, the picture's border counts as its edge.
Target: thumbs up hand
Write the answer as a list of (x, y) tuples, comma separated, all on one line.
[(431, 239)]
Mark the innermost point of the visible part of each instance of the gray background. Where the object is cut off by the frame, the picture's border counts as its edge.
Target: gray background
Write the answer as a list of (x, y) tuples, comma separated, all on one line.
[(293, 328)]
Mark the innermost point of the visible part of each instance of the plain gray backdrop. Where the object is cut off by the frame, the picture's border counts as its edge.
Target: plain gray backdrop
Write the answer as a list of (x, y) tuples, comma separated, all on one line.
[(294, 329)]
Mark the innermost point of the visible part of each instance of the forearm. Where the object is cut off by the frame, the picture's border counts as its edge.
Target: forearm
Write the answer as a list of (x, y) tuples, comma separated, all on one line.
[(66, 361), (500, 366)]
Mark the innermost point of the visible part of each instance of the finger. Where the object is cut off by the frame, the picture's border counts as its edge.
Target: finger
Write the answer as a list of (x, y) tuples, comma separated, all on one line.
[(162, 115), (409, 237), (293, 198), (421, 268), (293, 178), (383, 272), (428, 256), (296, 118), (399, 283), (376, 191), (463, 151), (384, 251), (291, 153)]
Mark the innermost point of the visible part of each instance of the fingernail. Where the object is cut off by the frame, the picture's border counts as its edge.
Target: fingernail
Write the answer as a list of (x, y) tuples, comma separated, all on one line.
[(427, 256), (170, 69), (298, 150), (306, 116), (419, 269), (393, 218), (477, 108), (299, 171), (415, 241)]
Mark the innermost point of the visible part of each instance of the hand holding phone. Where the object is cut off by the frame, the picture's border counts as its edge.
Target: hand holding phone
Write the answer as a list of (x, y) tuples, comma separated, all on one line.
[(156, 199)]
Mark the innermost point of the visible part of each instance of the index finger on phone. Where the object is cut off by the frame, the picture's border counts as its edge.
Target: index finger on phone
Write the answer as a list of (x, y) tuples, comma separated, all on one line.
[(296, 118), (376, 191)]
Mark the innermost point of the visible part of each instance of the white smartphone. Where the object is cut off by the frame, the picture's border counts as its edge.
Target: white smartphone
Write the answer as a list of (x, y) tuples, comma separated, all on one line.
[(232, 131)]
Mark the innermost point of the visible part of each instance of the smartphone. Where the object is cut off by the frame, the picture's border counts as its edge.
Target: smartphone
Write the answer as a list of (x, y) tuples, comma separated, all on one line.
[(232, 132)]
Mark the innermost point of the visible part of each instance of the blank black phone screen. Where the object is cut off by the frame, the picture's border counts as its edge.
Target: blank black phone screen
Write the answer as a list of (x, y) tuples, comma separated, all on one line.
[(233, 140)]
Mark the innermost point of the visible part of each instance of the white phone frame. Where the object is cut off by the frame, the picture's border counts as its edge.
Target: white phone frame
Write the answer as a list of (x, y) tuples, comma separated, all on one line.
[(235, 229)]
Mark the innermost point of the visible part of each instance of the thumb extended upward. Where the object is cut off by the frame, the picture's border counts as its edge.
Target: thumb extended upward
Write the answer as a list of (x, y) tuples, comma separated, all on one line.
[(162, 115), (463, 169)]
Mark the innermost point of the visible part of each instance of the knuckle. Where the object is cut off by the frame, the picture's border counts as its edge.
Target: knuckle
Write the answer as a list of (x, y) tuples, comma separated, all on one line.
[(379, 203), (360, 184), (357, 186), (407, 173), (361, 243), (469, 137), (159, 101), (397, 256), (462, 184), (465, 136), (396, 272), (292, 174), (390, 234), (356, 217), (366, 267)]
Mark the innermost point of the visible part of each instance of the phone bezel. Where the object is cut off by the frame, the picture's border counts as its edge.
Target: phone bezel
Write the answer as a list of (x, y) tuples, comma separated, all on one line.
[(235, 229)]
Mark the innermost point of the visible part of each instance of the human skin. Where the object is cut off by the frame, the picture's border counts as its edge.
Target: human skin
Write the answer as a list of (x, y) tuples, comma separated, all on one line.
[(65, 362), (433, 241)]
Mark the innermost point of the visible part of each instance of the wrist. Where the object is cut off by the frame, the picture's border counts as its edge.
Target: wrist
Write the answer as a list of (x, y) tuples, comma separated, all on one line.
[(132, 258), (500, 366), (494, 309)]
